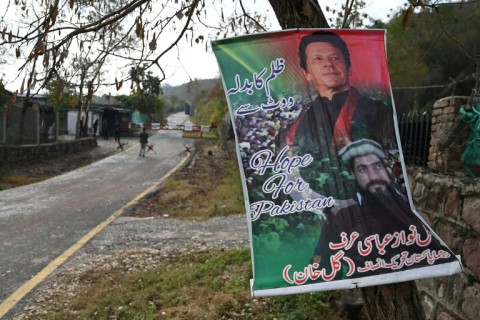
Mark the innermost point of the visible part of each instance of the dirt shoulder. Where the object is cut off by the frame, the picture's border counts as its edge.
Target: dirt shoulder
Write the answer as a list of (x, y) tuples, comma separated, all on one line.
[(27, 172)]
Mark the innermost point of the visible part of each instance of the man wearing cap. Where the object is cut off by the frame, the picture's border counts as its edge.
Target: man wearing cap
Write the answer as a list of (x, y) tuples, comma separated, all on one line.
[(379, 213), (364, 158), (337, 115)]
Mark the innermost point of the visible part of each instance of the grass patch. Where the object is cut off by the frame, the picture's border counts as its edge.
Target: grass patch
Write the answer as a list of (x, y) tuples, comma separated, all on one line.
[(21, 173), (227, 197), (210, 187), (182, 198), (212, 134), (206, 285), (12, 181)]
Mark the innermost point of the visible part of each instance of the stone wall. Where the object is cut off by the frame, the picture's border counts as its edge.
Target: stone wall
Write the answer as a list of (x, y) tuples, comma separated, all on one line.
[(450, 202), (11, 153), (449, 135)]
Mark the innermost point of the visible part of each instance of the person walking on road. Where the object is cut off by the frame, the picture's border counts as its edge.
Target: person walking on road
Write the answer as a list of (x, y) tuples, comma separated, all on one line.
[(95, 127), (105, 129), (143, 142), (116, 130)]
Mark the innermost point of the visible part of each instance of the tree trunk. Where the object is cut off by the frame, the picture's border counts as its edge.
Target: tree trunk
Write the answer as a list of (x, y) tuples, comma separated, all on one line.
[(393, 301), (299, 14), (390, 302), (78, 133)]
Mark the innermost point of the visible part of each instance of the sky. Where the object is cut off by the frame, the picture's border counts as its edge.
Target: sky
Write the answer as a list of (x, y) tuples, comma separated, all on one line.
[(199, 64)]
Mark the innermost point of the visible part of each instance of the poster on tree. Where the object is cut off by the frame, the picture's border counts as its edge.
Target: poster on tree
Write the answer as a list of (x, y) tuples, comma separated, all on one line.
[(321, 163)]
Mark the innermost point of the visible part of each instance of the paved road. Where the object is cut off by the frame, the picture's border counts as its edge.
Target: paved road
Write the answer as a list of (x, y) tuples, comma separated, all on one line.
[(39, 222)]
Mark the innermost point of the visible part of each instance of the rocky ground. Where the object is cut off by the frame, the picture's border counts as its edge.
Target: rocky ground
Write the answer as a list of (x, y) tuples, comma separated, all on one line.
[(145, 235)]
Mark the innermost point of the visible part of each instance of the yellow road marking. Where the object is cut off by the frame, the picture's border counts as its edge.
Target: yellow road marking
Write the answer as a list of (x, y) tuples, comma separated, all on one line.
[(28, 286)]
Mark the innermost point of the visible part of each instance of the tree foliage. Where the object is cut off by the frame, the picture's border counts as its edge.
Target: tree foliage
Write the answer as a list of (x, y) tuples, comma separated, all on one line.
[(433, 53), (4, 97), (347, 14), (61, 96), (146, 94), (146, 104), (212, 106), (173, 104), (144, 82)]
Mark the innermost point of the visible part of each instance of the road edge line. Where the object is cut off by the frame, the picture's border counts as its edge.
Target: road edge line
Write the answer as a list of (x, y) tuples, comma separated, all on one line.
[(7, 305)]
